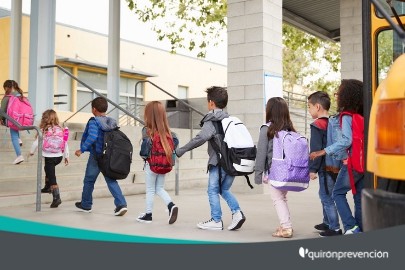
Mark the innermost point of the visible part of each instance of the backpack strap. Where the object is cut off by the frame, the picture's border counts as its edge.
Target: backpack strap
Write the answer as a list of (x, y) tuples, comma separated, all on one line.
[(349, 159), (219, 130)]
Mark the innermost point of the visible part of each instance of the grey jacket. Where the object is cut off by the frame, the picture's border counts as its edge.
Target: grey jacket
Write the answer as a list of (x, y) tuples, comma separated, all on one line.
[(264, 154), (206, 133)]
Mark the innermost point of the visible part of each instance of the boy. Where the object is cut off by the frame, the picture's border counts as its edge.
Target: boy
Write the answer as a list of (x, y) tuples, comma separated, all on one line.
[(217, 98), (318, 107), (92, 141)]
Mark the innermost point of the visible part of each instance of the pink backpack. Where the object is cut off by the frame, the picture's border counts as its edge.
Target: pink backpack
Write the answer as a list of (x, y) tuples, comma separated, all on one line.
[(20, 110), (54, 139)]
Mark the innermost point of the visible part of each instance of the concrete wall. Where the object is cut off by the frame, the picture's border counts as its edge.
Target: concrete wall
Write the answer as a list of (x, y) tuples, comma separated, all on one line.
[(351, 39)]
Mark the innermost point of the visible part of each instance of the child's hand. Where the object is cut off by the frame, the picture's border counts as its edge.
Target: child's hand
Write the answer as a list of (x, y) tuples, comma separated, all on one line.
[(78, 153), (312, 176), (316, 154), (66, 161)]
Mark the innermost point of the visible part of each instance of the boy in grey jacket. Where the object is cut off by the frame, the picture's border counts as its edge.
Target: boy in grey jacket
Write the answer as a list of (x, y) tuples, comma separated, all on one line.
[(217, 98)]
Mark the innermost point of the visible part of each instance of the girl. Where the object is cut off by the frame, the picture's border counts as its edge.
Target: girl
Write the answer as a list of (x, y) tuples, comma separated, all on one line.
[(278, 115), (11, 88), (156, 124), (53, 150), (349, 99)]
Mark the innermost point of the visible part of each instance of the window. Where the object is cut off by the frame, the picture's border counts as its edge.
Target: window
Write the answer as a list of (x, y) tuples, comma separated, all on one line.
[(182, 92)]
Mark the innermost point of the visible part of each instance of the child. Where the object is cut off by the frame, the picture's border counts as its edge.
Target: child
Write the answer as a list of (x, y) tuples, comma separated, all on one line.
[(156, 124), (278, 115), (349, 98), (318, 107), (11, 88), (217, 98), (92, 141), (50, 123)]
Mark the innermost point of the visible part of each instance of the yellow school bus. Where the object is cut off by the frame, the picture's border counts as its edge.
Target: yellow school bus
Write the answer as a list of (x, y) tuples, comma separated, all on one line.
[(383, 200)]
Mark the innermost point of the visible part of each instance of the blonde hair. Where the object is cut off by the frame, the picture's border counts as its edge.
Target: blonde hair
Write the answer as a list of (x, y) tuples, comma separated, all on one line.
[(156, 123), (49, 119)]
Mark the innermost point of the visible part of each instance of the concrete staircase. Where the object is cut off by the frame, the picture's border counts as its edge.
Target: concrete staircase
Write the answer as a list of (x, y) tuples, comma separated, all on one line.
[(18, 182)]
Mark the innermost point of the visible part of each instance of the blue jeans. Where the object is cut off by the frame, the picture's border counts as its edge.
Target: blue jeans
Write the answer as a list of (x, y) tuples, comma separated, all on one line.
[(15, 135), (330, 215), (342, 186), (154, 185), (213, 193), (92, 172)]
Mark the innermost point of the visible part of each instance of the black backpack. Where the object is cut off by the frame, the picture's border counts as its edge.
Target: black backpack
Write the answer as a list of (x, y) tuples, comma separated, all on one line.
[(116, 158)]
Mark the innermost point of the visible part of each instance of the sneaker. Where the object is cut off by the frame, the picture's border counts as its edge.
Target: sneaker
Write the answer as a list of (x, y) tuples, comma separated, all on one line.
[(120, 210), (321, 227), (211, 225), (173, 214), (238, 218), (330, 233), (82, 209), (354, 230), (20, 142), (145, 218), (18, 160)]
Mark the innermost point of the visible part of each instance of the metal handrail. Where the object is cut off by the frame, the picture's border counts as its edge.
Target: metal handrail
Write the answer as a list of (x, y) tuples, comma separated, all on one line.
[(94, 91), (39, 162)]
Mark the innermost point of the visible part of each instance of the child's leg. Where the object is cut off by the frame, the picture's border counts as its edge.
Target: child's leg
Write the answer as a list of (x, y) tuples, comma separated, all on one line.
[(227, 194), (160, 189), (15, 136), (150, 185), (50, 164), (280, 203), (90, 177), (359, 178), (325, 193), (213, 194)]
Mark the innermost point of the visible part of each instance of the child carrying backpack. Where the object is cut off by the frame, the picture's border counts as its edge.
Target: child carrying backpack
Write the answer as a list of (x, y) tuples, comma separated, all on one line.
[(349, 149), (269, 152), (54, 149), (157, 149)]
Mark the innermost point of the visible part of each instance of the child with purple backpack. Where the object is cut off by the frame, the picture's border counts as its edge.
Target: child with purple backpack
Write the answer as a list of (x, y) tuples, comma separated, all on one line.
[(278, 114)]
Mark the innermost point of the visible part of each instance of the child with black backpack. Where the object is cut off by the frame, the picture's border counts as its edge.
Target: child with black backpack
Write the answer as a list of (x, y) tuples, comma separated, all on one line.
[(350, 107), (217, 98), (54, 149), (157, 149), (92, 141)]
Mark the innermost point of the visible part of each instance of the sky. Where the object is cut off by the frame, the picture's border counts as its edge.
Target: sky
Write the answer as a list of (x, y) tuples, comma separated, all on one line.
[(93, 15)]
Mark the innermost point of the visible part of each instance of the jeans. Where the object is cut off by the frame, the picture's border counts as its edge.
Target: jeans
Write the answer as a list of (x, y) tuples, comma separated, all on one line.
[(279, 198), (50, 164), (92, 172), (213, 193), (154, 185), (15, 136), (342, 186), (328, 204)]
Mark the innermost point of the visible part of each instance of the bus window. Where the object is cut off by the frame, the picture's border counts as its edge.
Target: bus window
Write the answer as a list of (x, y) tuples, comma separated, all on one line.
[(398, 5)]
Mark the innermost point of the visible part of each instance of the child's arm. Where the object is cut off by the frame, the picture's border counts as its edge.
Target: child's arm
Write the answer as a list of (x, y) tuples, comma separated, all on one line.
[(66, 154), (261, 155), (206, 133), (315, 145), (34, 147), (90, 140)]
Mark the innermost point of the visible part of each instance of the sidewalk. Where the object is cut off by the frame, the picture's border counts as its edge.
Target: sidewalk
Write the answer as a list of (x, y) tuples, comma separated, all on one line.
[(261, 218)]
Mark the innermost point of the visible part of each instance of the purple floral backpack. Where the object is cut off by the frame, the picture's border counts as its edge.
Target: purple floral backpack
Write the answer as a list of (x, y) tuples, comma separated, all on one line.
[(289, 169)]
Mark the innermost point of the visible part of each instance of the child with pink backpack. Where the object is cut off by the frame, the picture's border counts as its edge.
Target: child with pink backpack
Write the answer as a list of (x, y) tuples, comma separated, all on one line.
[(54, 149)]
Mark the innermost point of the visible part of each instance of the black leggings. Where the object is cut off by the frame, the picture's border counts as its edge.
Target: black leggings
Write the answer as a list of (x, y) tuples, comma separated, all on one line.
[(50, 164)]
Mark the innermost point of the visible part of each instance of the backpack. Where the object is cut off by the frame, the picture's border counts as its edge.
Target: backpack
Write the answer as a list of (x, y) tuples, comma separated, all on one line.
[(234, 147), (289, 170), (54, 139), (157, 159), (20, 110), (355, 159), (116, 158)]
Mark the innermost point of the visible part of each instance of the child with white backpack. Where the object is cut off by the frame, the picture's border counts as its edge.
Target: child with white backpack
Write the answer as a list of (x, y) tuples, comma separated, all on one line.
[(54, 149)]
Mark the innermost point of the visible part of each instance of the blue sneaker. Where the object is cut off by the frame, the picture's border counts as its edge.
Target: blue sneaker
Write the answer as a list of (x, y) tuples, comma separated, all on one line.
[(354, 230)]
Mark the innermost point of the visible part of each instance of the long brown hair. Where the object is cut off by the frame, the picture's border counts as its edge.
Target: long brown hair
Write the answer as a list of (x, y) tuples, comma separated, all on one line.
[(156, 123), (278, 114), (9, 85), (49, 119)]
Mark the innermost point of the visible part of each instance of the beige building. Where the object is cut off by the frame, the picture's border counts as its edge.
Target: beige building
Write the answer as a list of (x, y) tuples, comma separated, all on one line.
[(85, 55)]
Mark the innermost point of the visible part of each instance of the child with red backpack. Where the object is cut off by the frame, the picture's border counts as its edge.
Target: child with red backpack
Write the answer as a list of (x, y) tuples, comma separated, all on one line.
[(14, 96), (54, 149), (157, 149), (350, 149)]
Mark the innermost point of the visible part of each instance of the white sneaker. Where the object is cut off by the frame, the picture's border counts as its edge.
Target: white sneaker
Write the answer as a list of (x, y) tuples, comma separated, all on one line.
[(18, 160), (20, 142), (211, 225), (238, 218)]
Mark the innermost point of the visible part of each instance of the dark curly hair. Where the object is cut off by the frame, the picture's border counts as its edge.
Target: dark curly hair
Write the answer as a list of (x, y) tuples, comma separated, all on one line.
[(350, 96)]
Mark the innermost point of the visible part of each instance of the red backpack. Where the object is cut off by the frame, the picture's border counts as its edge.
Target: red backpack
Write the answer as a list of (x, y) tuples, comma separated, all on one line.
[(158, 161), (355, 159)]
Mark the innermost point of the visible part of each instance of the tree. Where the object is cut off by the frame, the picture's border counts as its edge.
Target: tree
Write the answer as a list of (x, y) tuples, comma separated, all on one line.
[(190, 24)]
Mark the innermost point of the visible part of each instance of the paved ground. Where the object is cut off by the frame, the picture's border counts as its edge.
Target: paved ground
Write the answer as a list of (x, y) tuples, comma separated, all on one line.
[(193, 207)]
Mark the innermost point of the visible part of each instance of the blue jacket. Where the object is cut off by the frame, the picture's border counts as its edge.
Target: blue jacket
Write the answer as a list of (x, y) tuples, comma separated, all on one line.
[(342, 137), (94, 133)]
